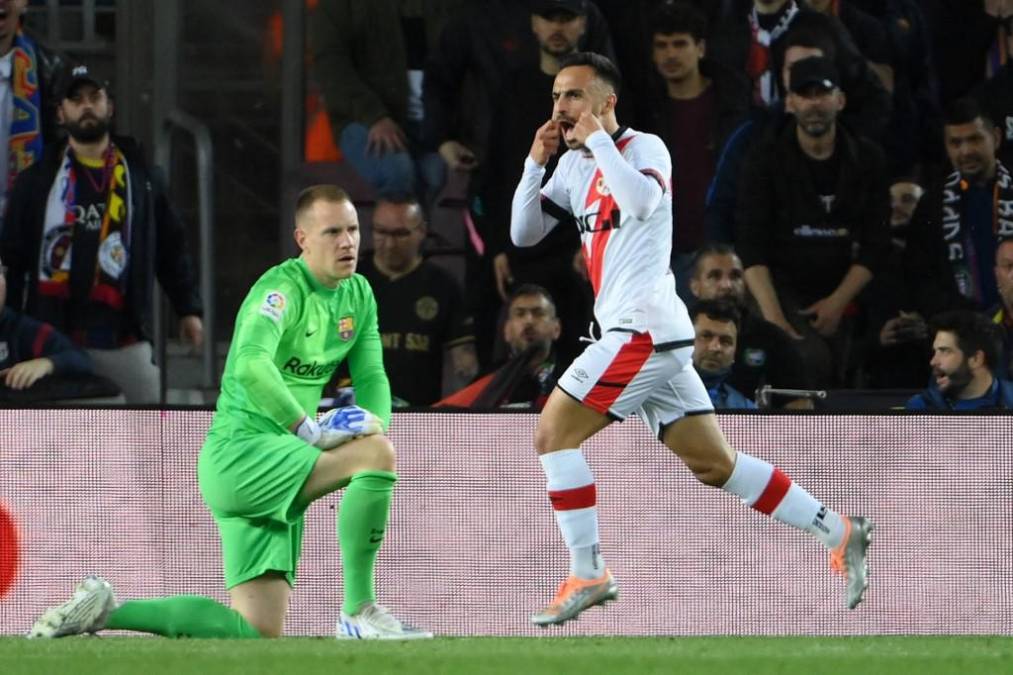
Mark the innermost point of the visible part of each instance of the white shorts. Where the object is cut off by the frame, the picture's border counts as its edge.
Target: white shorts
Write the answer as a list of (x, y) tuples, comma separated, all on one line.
[(622, 373)]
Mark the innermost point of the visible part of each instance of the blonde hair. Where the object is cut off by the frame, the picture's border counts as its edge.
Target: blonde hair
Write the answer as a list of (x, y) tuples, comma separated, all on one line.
[(318, 193)]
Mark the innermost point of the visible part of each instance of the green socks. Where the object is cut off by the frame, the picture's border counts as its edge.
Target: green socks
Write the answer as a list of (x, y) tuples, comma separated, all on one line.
[(181, 616), (362, 522)]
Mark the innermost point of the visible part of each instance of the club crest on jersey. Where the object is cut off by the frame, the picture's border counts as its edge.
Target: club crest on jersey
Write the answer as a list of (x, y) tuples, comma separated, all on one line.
[(426, 308), (601, 188), (274, 305), (4, 352), (346, 328)]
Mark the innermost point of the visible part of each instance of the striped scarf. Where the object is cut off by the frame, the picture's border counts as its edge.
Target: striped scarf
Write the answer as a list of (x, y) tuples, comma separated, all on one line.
[(758, 65), (108, 286), (24, 146), (959, 242)]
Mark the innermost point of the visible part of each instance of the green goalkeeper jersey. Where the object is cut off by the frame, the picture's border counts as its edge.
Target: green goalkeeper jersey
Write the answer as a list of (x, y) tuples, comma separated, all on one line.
[(291, 333)]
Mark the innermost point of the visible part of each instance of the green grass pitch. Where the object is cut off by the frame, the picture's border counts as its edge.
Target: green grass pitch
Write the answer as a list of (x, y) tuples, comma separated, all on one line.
[(942, 655)]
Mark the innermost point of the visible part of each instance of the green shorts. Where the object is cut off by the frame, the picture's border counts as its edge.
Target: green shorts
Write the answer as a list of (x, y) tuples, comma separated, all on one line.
[(250, 482)]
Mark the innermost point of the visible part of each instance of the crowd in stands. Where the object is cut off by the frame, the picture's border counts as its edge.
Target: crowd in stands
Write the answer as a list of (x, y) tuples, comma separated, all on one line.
[(839, 173), (842, 198)]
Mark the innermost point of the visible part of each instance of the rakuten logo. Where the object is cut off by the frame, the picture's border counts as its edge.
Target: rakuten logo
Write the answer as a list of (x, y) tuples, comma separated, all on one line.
[(311, 369)]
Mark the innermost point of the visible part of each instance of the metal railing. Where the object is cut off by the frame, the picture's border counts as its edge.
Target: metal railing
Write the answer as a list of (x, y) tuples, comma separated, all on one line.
[(177, 119)]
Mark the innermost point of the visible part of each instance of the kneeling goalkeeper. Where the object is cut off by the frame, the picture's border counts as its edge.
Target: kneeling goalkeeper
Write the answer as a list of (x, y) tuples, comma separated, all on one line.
[(266, 458)]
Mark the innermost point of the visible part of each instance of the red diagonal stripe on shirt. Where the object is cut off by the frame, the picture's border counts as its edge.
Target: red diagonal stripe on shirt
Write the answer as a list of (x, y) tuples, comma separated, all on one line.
[(608, 214)]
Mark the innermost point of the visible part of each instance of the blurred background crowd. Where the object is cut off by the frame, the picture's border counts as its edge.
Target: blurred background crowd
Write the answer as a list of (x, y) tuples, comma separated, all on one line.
[(842, 226)]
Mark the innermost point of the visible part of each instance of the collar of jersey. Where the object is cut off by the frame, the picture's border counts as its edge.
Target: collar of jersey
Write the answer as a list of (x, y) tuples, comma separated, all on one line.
[(313, 282)]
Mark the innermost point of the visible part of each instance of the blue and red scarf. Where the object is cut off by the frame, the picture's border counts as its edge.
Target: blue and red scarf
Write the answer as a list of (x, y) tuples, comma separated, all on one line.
[(25, 141)]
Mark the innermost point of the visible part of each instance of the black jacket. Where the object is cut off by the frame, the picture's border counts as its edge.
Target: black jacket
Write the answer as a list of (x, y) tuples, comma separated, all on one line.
[(158, 246), (782, 223)]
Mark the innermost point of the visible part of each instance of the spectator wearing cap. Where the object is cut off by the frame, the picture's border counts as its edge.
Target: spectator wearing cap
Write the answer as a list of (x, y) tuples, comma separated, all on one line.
[(811, 225), (89, 229), (28, 73)]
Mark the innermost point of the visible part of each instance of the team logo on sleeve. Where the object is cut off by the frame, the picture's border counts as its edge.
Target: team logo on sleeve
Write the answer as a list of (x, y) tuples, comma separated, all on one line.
[(274, 305), (346, 328)]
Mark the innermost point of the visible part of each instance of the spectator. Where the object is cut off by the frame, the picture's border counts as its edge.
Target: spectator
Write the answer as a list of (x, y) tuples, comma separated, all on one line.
[(811, 196), (954, 229), (996, 96), (764, 355), (88, 230), (866, 112), (716, 323), (965, 359), (28, 74), (479, 47), (697, 105), (896, 336), (1002, 312), (369, 60), (31, 350), (529, 375), (505, 266), (421, 313), (633, 20)]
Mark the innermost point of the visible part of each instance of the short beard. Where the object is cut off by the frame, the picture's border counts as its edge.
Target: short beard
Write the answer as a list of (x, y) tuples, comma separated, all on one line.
[(959, 379), (87, 134), (558, 53), (817, 128)]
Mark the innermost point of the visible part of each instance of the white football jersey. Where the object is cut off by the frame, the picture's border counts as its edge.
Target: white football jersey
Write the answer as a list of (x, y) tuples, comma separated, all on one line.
[(628, 259)]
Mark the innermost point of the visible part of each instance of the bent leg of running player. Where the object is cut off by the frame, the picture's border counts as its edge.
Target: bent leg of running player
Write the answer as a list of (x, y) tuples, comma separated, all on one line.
[(698, 441)]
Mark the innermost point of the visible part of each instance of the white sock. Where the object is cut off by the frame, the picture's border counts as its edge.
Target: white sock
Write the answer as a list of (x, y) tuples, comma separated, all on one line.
[(572, 493), (768, 490)]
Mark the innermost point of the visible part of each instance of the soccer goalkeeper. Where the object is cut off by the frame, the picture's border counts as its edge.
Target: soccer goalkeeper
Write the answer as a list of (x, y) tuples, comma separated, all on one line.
[(266, 458)]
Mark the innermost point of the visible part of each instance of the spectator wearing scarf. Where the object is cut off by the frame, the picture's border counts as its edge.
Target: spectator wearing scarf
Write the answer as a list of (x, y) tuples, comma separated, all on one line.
[(88, 230), (27, 74), (956, 228)]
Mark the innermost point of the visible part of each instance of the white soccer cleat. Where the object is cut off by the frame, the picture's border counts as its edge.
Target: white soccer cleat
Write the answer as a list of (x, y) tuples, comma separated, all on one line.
[(85, 612), (374, 622)]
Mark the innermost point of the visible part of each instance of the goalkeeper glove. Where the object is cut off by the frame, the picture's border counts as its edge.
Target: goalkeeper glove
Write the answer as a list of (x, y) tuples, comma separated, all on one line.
[(341, 425), (308, 430)]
